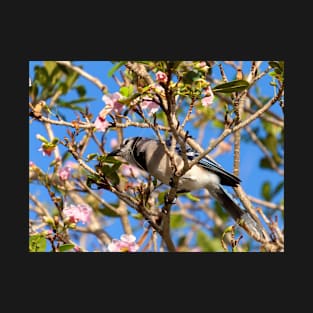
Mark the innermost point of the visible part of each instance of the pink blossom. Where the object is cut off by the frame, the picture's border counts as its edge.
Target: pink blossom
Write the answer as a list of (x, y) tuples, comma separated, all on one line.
[(129, 170), (64, 173), (127, 243), (224, 146), (76, 249), (101, 124), (31, 164), (112, 102), (46, 150), (76, 213), (150, 106), (113, 143), (202, 64), (209, 97), (161, 77)]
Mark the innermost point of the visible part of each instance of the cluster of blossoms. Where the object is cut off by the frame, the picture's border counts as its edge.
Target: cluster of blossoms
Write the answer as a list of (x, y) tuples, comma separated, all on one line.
[(126, 243), (111, 104), (148, 104), (64, 172), (208, 97), (77, 213), (130, 171)]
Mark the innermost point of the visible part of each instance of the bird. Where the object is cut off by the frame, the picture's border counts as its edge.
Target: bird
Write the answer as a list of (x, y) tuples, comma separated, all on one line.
[(149, 155)]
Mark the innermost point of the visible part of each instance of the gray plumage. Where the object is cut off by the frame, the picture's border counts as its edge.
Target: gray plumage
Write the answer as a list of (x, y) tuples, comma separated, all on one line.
[(150, 156)]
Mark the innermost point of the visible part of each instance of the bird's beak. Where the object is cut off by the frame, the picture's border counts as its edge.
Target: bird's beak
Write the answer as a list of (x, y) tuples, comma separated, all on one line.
[(114, 153)]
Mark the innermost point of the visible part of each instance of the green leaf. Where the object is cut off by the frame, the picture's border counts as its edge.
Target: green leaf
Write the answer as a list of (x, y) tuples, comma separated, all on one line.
[(190, 77), (115, 68), (42, 76), (108, 212), (80, 100), (264, 163), (126, 91), (71, 104), (266, 191), (177, 221), (276, 66), (233, 86), (192, 197), (55, 140), (50, 66), (55, 76), (91, 156), (271, 143), (71, 79), (111, 160), (137, 216), (81, 90), (161, 197), (37, 243), (42, 138), (277, 189), (206, 243), (271, 128), (229, 229), (129, 99), (92, 179), (110, 173), (66, 247), (218, 124)]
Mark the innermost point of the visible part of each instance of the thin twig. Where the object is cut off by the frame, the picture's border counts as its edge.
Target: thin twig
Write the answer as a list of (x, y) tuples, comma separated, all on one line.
[(228, 131), (267, 204), (81, 72)]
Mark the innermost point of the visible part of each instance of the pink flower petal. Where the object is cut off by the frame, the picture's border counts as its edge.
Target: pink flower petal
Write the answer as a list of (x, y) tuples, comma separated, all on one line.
[(129, 170), (150, 106), (77, 213), (206, 101), (114, 246), (113, 143), (161, 77), (101, 124), (108, 101), (112, 102), (128, 238)]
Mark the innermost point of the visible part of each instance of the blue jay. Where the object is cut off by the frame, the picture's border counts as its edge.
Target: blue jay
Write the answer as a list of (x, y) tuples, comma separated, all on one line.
[(149, 155)]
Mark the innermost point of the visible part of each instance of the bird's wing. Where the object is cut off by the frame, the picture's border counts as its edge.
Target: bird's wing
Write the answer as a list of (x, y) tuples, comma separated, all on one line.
[(226, 178)]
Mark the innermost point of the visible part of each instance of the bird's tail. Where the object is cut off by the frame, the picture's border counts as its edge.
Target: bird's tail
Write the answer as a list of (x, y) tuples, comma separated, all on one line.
[(242, 217)]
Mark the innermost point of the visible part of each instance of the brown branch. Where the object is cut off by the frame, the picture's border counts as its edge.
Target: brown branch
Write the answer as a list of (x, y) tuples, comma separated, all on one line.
[(266, 118), (86, 75), (259, 104), (225, 80), (187, 117), (140, 70), (244, 123), (84, 125), (267, 204)]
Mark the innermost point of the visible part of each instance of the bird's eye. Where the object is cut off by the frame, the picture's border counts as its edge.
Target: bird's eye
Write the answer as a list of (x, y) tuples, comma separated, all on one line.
[(126, 141)]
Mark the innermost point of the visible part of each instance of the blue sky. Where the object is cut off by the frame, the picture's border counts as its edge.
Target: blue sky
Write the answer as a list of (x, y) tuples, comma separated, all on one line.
[(250, 173)]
